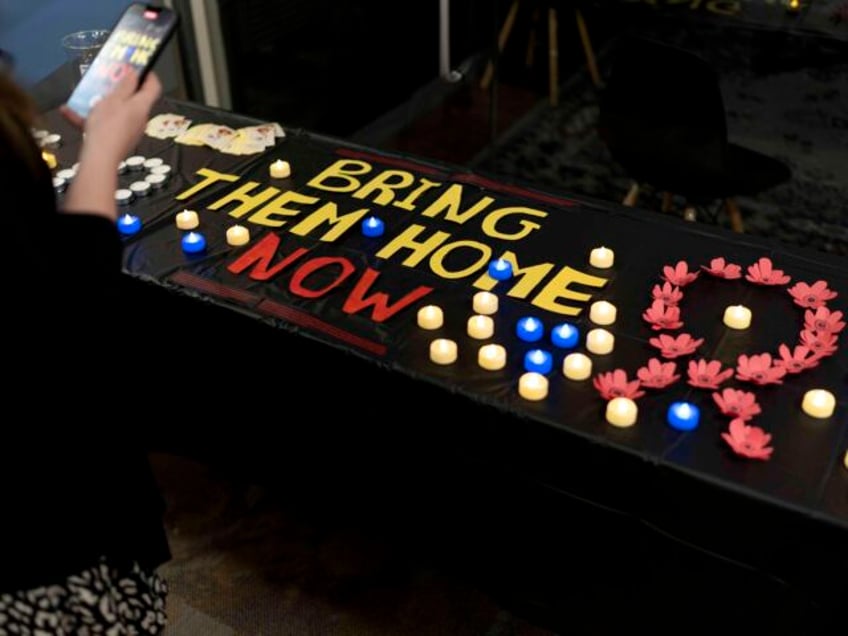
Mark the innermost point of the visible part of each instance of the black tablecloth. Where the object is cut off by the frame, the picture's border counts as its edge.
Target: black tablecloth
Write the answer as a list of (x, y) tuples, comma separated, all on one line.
[(300, 343)]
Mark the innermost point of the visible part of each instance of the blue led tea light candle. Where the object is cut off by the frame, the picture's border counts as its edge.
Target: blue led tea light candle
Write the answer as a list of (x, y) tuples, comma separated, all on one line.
[(128, 224), (500, 269), (373, 227), (565, 335), (193, 243), (539, 361), (683, 416), (530, 329)]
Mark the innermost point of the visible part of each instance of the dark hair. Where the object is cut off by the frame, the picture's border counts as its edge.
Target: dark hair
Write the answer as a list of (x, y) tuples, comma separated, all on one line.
[(17, 117)]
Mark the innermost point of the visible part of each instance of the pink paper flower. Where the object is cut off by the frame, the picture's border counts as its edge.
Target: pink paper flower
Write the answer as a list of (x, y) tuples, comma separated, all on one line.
[(737, 404), (707, 374), (673, 347), (759, 369), (662, 317), (797, 360), (615, 384), (812, 296), (679, 274), (821, 343), (763, 273), (668, 293), (657, 374), (824, 320), (748, 441), (717, 267)]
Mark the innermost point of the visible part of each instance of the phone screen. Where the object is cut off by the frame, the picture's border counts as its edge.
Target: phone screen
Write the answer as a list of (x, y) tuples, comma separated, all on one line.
[(135, 42)]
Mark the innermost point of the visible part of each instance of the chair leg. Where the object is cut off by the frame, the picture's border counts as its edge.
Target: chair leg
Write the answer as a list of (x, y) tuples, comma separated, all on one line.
[(553, 57), (587, 49), (735, 215), (690, 213), (530, 54), (506, 29), (632, 195), (667, 202)]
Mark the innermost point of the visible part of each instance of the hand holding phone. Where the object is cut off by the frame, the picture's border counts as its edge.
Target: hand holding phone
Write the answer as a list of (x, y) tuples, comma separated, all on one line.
[(135, 42)]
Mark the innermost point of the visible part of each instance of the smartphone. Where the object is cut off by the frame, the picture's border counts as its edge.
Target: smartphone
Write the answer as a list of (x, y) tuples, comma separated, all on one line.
[(135, 41)]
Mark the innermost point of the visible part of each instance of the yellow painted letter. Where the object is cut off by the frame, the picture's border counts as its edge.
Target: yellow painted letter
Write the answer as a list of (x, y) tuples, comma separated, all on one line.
[(209, 177), (420, 249), (558, 288), (344, 170)]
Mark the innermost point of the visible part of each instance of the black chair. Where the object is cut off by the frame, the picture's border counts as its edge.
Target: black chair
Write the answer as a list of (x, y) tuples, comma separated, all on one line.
[(662, 118), (551, 9)]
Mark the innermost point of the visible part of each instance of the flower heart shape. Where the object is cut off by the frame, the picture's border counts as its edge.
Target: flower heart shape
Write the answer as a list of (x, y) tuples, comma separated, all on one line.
[(817, 339)]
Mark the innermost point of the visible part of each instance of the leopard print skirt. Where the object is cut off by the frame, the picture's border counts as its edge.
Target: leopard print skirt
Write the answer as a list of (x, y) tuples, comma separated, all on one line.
[(99, 600)]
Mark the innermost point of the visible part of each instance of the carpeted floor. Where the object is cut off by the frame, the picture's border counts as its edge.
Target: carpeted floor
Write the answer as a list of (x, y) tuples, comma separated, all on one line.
[(785, 96), (267, 557)]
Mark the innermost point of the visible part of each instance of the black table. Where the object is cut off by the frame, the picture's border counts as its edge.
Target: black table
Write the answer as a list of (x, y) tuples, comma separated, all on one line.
[(313, 328)]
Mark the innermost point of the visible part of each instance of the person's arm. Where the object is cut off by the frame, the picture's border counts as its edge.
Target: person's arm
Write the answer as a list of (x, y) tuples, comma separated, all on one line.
[(112, 130)]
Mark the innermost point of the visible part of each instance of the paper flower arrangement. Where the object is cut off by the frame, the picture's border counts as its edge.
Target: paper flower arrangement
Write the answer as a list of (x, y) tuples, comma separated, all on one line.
[(817, 339)]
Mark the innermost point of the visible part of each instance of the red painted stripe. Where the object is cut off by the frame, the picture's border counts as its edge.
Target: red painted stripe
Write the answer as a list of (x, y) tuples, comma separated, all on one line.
[(483, 182), (309, 321), (390, 161), (187, 279)]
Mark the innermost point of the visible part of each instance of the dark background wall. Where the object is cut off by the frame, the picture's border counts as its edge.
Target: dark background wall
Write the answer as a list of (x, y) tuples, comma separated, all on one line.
[(333, 66)]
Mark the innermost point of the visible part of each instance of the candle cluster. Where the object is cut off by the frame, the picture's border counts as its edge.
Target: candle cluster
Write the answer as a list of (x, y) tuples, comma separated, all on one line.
[(479, 326), (141, 186), (537, 362), (188, 220), (192, 242)]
